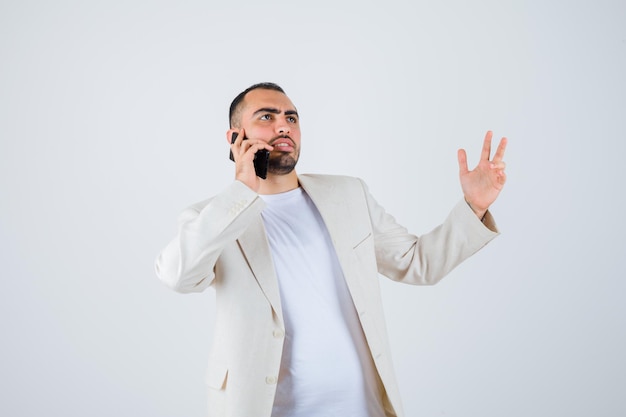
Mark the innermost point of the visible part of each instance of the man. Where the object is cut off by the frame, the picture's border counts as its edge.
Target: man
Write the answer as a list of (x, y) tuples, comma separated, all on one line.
[(294, 260)]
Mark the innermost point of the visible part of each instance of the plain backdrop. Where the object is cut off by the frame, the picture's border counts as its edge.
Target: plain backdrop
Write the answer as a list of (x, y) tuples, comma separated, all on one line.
[(112, 120)]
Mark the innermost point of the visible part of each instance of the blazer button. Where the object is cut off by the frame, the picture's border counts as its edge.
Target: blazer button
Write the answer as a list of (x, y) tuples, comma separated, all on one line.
[(271, 380), (278, 333)]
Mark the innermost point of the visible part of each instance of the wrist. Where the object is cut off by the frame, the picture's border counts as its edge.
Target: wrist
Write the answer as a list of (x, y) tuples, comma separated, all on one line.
[(480, 213)]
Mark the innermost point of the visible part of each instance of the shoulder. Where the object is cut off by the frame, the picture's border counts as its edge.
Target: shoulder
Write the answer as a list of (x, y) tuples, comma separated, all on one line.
[(235, 194)]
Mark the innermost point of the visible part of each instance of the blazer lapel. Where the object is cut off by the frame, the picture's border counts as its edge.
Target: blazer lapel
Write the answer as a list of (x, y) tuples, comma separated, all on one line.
[(255, 247), (330, 208), (335, 208)]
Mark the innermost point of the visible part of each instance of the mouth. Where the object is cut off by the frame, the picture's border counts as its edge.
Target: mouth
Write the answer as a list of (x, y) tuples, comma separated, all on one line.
[(283, 143)]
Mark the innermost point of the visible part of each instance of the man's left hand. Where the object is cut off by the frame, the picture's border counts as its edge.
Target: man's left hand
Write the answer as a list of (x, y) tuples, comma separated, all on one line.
[(482, 185)]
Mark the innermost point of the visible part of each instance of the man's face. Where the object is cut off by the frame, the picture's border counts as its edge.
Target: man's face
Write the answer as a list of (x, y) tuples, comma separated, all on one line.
[(270, 116)]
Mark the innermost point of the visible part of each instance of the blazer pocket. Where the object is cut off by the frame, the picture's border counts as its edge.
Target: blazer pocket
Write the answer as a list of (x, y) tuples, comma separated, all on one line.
[(216, 376)]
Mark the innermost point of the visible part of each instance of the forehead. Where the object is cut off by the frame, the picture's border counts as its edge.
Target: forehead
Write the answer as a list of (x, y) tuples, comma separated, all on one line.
[(261, 98)]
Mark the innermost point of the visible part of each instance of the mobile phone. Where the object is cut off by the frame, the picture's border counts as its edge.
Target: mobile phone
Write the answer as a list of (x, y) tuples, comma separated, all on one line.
[(261, 158)]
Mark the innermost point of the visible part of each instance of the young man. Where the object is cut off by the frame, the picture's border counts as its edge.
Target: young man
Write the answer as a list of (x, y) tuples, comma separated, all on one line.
[(294, 260)]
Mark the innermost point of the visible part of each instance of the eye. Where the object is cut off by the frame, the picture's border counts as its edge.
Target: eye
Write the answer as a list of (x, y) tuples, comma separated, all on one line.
[(292, 119), (266, 116)]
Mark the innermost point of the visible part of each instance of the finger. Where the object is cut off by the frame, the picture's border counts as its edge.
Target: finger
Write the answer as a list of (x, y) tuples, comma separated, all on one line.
[(484, 156), (500, 165), (261, 145), (235, 145), (250, 147), (240, 137), (500, 151), (462, 157), (245, 146), (501, 177)]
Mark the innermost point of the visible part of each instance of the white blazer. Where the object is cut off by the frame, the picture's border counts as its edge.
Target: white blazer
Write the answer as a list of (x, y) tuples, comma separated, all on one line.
[(222, 243)]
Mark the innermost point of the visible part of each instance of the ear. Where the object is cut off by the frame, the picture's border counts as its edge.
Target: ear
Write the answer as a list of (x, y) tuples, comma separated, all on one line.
[(229, 134)]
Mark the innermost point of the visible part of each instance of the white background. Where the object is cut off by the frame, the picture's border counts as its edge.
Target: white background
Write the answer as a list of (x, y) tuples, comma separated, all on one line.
[(112, 121)]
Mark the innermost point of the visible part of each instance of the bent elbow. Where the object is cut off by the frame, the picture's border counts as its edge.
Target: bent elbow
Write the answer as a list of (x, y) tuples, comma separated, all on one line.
[(174, 279)]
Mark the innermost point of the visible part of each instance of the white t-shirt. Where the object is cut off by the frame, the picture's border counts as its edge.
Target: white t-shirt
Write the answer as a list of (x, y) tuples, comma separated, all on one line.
[(326, 369)]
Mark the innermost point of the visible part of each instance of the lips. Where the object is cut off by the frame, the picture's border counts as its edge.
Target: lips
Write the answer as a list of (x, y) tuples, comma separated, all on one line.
[(284, 144)]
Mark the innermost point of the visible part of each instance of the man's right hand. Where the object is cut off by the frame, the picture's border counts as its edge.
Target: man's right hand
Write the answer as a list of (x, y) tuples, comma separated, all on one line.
[(243, 153)]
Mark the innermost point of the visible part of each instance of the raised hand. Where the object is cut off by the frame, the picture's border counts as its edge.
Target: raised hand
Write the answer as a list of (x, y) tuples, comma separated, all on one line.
[(243, 153), (482, 185)]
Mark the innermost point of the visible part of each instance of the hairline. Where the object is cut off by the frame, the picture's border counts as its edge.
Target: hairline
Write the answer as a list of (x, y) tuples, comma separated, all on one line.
[(234, 113)]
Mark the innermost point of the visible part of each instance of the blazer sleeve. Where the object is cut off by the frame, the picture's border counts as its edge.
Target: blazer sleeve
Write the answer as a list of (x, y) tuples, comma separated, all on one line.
[(426, 259), (204, 229)]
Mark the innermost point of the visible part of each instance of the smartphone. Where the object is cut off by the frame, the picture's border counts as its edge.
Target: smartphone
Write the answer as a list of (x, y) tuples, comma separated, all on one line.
[(261, 158)]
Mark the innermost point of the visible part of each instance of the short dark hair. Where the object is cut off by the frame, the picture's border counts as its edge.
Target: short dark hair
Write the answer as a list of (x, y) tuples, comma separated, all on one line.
[(234, 106)]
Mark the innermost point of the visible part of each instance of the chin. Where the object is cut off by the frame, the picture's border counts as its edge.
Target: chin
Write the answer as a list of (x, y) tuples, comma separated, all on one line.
[(282, 164)]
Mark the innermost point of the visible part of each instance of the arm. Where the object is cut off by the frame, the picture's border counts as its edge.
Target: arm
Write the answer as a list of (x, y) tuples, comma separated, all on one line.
[(424, 260), (469, 226), (187, 262)]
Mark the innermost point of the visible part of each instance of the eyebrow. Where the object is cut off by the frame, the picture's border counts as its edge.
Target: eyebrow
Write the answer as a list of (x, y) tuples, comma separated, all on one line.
[(274, 111)]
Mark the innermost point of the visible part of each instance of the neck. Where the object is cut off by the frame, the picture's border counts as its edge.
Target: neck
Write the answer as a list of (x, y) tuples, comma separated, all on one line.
[(276, 184)]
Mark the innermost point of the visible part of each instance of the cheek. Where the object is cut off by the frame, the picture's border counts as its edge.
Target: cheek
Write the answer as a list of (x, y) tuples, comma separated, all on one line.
[(257, 132), (296, 135)]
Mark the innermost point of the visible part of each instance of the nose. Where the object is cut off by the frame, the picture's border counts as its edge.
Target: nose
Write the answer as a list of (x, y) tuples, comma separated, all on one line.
[(283, 128)]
